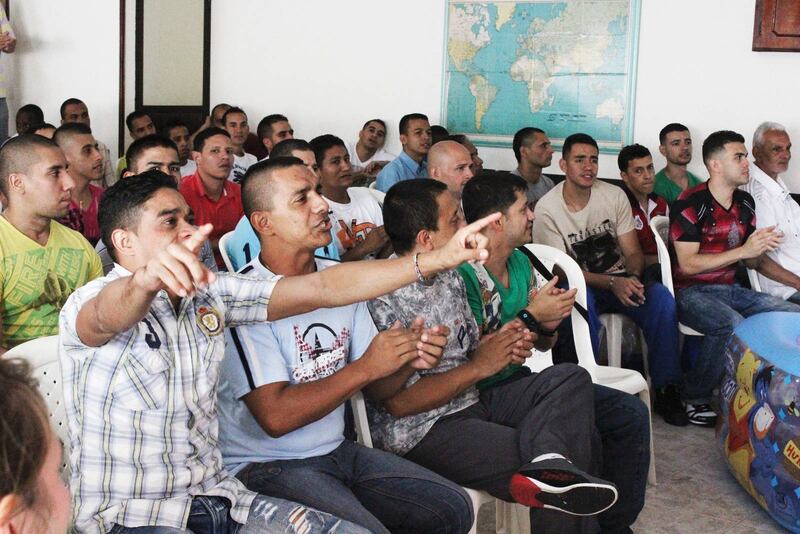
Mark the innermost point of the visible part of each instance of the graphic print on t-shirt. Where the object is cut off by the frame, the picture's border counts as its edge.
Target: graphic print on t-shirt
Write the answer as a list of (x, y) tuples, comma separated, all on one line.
[(596, 249), (320, 352), (355, 233)]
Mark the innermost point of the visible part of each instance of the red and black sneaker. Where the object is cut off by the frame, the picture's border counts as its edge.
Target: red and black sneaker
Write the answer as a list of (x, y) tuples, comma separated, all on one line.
[(556, 484)]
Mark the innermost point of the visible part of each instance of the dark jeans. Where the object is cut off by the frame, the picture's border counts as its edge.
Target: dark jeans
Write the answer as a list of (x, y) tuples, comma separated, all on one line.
[(372, 488), (715, 310), (210, 515), (559, 410), (659, 323)]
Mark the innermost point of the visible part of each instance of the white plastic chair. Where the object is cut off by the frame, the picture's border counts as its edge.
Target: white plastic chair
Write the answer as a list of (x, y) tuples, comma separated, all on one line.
[(223, 250), (614, 324), (365, 438), (42, 355), (660, 227), (752, 275), (625, 380)]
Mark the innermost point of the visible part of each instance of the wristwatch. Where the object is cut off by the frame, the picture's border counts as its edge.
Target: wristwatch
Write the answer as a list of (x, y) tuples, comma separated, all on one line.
[(533, 325)]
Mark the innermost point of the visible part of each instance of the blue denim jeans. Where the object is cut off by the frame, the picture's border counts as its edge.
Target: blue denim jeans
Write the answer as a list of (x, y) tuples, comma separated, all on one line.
[(369, 487), (209, 515), (659, 323), (714, 310)]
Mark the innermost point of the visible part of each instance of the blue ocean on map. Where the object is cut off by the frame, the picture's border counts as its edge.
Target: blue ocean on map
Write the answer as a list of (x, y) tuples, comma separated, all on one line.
[(571, 99)]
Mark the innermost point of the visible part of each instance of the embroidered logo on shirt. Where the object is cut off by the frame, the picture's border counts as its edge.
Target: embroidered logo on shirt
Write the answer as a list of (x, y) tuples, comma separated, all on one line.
[(209, 321)]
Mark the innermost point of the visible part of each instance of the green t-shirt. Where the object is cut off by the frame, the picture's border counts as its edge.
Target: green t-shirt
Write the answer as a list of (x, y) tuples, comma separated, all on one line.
[(514, 299), (36, 280), (668, 189)]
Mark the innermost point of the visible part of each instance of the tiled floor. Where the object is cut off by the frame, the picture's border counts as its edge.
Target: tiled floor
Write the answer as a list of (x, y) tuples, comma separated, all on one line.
[(696, 494)]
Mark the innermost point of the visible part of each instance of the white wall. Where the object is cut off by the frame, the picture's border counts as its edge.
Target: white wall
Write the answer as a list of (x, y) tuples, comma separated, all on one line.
[(67, 49), (330, 66)]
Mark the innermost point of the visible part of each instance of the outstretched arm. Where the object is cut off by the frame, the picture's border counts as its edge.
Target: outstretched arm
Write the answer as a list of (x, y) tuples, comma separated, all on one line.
[(358, 281), (177, 269)]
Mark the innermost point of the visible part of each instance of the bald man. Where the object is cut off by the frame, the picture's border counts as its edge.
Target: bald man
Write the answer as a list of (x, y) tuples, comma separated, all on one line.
[(450, 163)]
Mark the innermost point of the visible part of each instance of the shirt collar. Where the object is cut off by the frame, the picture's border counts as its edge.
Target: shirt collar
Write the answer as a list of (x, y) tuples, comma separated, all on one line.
[(409, 162), (774, 187), (200, 189)]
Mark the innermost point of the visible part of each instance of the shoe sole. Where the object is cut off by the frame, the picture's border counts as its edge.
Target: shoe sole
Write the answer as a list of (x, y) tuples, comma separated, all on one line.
[(582, 498), (703, 423)]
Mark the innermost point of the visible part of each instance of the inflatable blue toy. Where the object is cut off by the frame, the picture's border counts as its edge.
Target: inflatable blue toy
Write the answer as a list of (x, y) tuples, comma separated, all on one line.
[(760, 400)]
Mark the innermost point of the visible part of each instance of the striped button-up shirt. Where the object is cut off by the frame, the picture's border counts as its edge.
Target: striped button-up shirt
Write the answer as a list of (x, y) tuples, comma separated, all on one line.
[(142, 409)]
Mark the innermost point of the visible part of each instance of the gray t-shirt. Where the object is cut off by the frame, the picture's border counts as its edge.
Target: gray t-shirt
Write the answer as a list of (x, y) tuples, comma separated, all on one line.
[(537, 190), (443, 302)]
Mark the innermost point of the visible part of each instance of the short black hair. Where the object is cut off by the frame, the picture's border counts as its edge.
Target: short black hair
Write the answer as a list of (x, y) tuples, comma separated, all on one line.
[(438, 133), (629, 153), (379, 121), (69, 129), (257, 190), (669, 128), (136, 149), (200, 139), (132, 116), (69, 102), (458, 138), (524, 137), (121, 204), (38, 126), (408, 118), (18, 154), (716, 142), (35, 112), (287, 146), (490, 192), (410, 206), (230, 110), (577, 139), (265, 125), (174, 122), (322, 143)]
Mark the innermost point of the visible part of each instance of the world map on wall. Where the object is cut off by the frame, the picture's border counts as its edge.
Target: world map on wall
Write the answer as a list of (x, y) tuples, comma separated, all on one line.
[(564, 66)]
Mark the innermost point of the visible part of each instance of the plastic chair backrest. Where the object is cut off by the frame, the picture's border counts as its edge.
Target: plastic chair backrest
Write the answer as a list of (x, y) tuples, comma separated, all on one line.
[(223, 250), (660, 227), (42, 355), (359, 407), (752, 275), (580, 328)]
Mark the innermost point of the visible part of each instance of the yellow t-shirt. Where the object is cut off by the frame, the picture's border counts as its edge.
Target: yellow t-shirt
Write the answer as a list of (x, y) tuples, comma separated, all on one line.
[(36, 280)]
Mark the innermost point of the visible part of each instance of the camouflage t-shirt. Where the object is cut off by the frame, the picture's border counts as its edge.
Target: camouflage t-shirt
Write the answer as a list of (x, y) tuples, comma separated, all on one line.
[(443, 302)]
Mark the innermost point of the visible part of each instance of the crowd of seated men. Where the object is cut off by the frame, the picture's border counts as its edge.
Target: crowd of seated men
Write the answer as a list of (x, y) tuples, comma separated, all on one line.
[(216, 401)]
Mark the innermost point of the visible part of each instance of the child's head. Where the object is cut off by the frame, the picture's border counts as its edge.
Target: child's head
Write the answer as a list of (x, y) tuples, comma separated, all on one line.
[(32, 496)]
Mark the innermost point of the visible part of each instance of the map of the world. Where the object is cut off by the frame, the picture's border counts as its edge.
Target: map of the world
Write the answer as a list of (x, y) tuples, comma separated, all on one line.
[(564, 66)]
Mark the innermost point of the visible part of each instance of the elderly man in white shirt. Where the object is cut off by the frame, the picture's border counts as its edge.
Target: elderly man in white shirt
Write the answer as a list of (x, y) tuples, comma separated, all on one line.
[(775, 207)]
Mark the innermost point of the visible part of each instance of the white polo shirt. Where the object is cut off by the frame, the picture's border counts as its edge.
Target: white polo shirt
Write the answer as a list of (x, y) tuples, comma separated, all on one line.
[(776, 207)]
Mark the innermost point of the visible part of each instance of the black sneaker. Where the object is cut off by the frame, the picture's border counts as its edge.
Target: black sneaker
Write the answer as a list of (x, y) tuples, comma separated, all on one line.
[(558, 485), (668, 405), (701, 414)]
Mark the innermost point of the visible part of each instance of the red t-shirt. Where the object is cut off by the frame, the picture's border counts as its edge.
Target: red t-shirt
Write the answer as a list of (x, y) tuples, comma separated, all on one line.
[(698, 218), (224, 214), (656, 206), (85, 221)]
